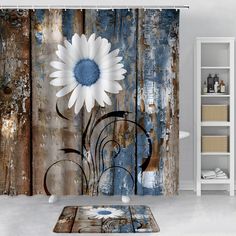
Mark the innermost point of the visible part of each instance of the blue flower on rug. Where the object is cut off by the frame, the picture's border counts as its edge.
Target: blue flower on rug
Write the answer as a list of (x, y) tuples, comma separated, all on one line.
[(105, 213)]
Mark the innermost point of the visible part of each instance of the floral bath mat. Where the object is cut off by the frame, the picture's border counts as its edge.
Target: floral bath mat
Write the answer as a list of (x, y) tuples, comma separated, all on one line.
[(106, 219)]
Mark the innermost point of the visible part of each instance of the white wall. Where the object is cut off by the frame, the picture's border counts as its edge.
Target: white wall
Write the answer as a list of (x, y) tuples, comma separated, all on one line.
[(204, 18)]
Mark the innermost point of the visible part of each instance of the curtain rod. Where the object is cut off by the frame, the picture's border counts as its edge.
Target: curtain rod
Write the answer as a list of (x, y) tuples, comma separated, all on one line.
[(32, 7)]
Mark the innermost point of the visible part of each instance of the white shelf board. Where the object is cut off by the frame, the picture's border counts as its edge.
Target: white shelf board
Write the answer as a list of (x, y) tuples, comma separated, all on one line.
[(215, 67), (215, 95), (215, 123), (215, 181), (215, 153)]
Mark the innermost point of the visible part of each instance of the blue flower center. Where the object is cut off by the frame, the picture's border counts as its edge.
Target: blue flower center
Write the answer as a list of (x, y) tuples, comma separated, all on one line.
[(86, 72), (104, 212)]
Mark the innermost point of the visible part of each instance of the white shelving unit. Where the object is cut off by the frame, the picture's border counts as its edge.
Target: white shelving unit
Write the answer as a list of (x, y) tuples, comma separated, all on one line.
[(214, 55)]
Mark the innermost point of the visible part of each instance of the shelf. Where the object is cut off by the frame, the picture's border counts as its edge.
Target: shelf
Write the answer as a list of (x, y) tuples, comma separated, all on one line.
[(214, 55), (215, 123), (215, 181), (215, 67), (215, 95), (215, 153)]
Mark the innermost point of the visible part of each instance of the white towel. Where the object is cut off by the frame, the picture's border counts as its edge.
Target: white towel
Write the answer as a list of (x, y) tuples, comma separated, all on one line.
[(214, 174), (208, 174), (222, 177)]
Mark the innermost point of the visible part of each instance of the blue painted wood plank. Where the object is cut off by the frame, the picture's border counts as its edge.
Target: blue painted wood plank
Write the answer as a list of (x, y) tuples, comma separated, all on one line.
[(119, 28), (158, 99)]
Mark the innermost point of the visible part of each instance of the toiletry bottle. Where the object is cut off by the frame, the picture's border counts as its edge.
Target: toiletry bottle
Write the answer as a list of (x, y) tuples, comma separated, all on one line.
[(205, 89), (222, 86), (216, 85), (216, 79), (210, 84)]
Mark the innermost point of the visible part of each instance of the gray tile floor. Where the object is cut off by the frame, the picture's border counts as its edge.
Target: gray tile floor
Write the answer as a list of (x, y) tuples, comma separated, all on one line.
[(186, 214)]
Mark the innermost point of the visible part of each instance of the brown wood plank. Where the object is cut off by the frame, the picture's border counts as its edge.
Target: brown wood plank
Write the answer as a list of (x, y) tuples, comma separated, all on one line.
[(66, 220), (15, 102), (82, 223), (50, 132)]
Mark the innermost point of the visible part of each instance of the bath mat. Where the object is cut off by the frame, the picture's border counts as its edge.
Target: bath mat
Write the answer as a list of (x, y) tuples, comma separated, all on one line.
[(106, 219)]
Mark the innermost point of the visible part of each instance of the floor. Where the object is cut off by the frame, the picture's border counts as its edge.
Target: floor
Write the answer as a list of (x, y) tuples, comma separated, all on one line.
[(186, 214)]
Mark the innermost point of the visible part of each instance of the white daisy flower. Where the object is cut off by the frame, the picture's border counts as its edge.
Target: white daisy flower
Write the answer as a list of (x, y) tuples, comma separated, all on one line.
[(88, 69), (104, 213)]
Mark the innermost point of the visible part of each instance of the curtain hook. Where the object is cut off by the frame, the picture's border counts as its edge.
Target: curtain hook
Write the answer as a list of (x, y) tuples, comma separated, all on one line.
[(17, 7), (144, 8), (1, 7), (64, 7), (112, 8), (33, 8), (49, 8), (128, 8), (97, 8)]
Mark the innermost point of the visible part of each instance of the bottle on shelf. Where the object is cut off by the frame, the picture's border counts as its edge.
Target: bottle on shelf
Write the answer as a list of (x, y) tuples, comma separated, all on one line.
[(216, 86), (210, 84), (216, 78), (205, 90), (222, 86)]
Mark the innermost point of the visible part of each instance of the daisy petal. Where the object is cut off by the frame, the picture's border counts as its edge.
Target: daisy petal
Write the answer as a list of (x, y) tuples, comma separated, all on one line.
[(63, 54), (96, 93), (106, 99), (108, 63), (67, 44), (75, 39), (74, 96), (62, 74), (89, 100), (84, 46), (58, 65), (110, 76), (80, 101), (62, 82), (116, 71), (110, 86), (67, 89), (104, 48), (95, 48)]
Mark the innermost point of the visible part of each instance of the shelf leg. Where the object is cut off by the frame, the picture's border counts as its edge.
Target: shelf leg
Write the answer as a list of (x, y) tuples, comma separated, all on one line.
[(231, 190), (199, 189)]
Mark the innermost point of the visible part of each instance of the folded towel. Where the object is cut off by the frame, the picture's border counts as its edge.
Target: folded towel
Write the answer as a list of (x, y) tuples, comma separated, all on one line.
[(208, 174), (222, 177), (213, 174), (217, 170)]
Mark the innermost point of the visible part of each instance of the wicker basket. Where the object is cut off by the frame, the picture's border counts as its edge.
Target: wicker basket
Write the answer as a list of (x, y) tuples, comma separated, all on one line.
[(215, 113), (213, 143)]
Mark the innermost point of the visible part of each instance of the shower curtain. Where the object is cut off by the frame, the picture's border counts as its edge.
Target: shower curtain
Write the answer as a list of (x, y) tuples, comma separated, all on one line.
[(89, 102)]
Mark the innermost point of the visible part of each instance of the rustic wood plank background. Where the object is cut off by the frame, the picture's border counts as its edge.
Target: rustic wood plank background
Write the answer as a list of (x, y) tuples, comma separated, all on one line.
[(15, 167), (50, 132), (148, 42), (157, 99)]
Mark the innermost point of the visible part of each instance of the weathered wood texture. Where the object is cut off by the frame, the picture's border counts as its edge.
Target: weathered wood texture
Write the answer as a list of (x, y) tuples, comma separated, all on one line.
[(50, 132), (118, 148), (158, 108), (119, 27), (15, 122), (123, 219)]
